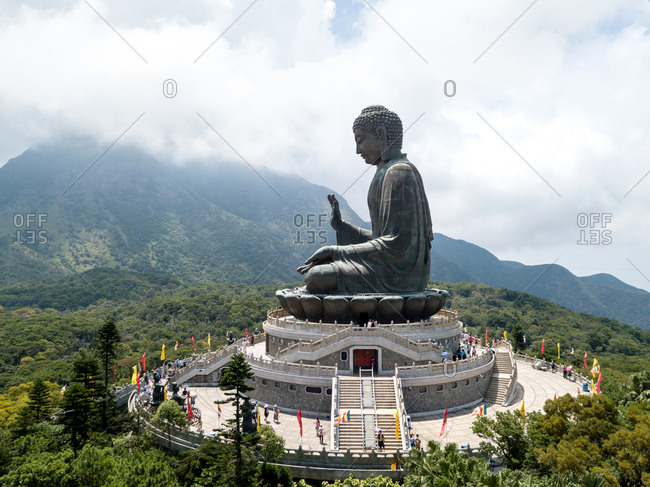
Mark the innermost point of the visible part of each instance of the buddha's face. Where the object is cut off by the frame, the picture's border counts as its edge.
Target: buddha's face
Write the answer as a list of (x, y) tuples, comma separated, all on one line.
[(369, 146)]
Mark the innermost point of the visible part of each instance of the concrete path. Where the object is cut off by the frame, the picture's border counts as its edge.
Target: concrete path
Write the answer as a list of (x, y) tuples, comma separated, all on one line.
[(533, 386)]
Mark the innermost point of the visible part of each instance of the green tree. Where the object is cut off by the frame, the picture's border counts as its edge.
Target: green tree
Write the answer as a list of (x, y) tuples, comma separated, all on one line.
[(168, 416), (273, 445), (233, 381), (639, 387), (39, 401), (77, 412), (106, 345), (518, 337), (505, 437)]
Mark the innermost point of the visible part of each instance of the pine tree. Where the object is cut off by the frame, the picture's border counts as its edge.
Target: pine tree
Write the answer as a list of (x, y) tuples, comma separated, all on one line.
[(106, 344), (78, 409), (39, 401), (234, 380)]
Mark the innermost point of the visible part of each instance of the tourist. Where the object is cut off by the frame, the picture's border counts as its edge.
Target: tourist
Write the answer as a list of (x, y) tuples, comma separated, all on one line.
[(317, 426), (266, 413), (276, 413), (380, 439), (252, 340), (321, 434), (417, 443), (564, 371), (412, 441)]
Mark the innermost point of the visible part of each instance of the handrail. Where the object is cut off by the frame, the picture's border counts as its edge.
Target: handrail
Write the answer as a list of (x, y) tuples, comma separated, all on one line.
[(310, 346), (282, 319), (374, 398), (334, 437), (363, 421), (483, 357), (401, 407)]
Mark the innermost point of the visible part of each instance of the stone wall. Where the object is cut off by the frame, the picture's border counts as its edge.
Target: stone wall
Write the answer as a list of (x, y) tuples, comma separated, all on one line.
[(292, 396), (452, 394)]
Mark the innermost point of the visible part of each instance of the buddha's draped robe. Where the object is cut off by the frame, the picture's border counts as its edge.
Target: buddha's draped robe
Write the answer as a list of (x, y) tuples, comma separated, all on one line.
[(395, 256)]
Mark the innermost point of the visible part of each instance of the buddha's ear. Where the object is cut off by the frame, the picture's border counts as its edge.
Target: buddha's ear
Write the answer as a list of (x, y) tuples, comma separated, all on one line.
[(382, 134)]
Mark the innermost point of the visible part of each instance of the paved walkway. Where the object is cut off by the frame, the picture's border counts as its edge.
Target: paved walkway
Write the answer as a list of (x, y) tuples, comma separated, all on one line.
[(533, 386)]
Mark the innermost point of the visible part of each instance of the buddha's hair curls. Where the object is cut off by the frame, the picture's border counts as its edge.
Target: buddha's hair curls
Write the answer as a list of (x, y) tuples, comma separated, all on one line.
[(376, 116)]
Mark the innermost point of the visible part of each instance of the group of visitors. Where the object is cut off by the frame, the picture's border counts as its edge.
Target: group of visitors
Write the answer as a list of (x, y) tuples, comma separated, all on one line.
[(415, 442), (320, 431), (276, 413), (567, 371)]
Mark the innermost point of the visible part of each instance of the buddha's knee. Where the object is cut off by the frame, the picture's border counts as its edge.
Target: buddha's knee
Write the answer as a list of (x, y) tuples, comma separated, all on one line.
[(321, 279)]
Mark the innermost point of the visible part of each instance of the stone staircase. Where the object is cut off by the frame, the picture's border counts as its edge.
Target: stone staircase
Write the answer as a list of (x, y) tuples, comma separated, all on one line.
[(350, 433), (500, 380)]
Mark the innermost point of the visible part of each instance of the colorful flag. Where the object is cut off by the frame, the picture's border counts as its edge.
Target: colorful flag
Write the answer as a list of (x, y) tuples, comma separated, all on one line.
[(479, 411), (299, 419), (134, 376), (444, 422), (572, 351), (193, 347), (208, 340), (218, 411), (144, 361), (63, 389), (585, 360), (595, 369), (600, 378), (138, 382), (258, 418), (396, 416), (176, 346), (342, 417), (190, 413), (522, 410), (558, 350), (524, 338), (543, 341), (162, 355)]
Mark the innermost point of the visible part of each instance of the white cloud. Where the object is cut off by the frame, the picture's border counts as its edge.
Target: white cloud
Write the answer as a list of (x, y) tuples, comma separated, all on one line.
[(565, 86)]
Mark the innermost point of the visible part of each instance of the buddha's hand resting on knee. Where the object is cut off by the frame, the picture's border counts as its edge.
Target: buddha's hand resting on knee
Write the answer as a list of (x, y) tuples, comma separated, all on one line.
[(321, 256)]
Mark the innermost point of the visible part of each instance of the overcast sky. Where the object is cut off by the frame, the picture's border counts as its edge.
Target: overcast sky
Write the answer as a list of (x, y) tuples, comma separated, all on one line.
[(525, 117)]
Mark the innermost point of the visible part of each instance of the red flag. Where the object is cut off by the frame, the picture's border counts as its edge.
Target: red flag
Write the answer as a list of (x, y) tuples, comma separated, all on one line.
[(115, 373), (246, 333), (144, 361), (190, 414), (486, 343), (300, 421), (138, 381), (585, 360), (600, 378), (555, 396), (444, 422), (193, 347), (543, 340)]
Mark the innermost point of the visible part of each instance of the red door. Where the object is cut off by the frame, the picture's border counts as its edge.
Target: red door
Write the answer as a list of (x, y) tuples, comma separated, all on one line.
[(365, 359)]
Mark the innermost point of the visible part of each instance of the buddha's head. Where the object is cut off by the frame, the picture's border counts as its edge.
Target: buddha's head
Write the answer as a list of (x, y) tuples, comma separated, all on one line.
[(381, 131)]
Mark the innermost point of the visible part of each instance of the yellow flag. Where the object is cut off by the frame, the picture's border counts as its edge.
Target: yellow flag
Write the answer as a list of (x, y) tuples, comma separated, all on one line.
[(522, 410), (558, 349), (396, 416), (134, 377), (208, 340), (593, 387), (164, 393), (258, 405), (162, 355), (505, 336)]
